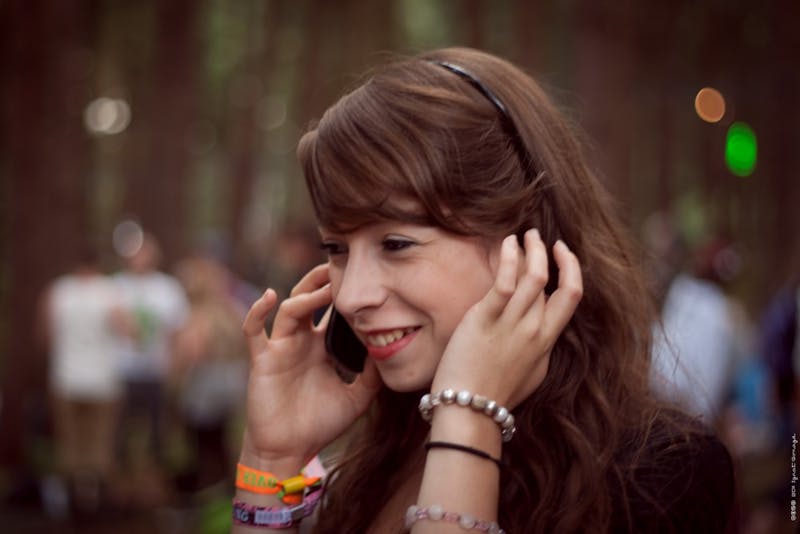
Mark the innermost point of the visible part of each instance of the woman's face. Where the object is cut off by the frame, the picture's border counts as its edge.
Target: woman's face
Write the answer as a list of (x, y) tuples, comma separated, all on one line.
[(404, 288)]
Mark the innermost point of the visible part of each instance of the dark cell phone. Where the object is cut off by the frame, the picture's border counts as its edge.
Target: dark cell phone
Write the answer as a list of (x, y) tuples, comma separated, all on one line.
[(342, 343)]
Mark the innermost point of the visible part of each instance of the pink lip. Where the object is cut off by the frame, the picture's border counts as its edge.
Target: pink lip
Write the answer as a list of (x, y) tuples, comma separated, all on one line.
[(384, 353)]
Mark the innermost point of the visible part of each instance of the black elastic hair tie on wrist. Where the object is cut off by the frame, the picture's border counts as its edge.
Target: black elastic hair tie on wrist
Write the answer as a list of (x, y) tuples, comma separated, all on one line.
[(463, 448)]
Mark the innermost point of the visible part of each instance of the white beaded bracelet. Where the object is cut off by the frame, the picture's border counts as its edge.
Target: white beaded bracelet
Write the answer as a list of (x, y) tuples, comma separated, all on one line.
[(436, 513), (465, 398)]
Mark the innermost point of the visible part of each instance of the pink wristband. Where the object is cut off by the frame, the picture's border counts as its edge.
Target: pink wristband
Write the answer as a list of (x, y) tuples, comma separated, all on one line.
[(276, 517)]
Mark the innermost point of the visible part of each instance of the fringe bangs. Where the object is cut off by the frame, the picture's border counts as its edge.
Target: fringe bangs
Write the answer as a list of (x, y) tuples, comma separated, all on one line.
[(360, 167)]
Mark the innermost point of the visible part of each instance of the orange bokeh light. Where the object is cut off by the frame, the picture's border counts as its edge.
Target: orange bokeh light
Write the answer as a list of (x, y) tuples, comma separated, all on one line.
[(709, 104)]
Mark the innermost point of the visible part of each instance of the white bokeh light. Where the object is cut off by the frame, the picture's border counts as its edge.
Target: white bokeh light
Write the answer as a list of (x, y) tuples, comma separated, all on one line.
[(107, 116)]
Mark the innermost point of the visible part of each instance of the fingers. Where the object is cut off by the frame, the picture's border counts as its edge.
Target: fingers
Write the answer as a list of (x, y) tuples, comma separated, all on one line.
[(506, 278), (522, 300), (253, 326), (528, 299), (311, 293), (313, 279), (296, 312), (562, 303)]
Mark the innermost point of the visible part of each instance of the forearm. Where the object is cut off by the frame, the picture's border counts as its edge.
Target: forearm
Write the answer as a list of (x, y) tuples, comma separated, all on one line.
[(457, 481)]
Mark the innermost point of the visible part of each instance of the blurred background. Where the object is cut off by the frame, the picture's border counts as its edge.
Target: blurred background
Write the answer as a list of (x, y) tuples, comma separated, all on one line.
[(175, 122)]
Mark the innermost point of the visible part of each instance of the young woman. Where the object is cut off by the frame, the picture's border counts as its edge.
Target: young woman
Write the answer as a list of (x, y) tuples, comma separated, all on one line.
[(476, 256)]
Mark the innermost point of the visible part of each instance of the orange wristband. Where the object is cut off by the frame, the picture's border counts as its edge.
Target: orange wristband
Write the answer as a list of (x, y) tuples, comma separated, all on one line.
[(256, 481)]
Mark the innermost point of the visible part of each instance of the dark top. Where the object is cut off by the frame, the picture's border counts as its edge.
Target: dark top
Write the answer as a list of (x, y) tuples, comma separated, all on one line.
[(688, 487)]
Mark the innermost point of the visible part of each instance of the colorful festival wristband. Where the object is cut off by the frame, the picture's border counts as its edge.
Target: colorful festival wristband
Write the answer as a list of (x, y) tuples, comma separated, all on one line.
[(276, 517), (256, 481), (293, 489)]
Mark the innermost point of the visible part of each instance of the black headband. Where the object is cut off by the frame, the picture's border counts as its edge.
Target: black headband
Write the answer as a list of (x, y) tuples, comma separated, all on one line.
[(531, 174), (511, 127), (479, 85)]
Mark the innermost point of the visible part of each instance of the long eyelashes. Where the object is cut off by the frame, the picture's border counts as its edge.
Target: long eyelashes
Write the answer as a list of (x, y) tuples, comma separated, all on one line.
[(396, 244), (332, 249), (389, 245)]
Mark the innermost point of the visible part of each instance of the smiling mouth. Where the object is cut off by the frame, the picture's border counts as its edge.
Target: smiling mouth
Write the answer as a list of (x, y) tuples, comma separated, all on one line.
[(387, 338)]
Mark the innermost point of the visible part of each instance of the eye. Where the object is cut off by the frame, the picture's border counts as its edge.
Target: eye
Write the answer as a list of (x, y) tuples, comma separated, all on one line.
[(393, 244), (331, 248)]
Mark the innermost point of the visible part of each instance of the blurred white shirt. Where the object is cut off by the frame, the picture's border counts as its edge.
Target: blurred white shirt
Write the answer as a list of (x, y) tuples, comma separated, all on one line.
[(83, 350), (695, 354), (158, 305)]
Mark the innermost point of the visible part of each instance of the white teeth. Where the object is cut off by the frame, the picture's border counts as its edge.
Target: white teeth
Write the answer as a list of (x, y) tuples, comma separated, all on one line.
[(381, 340)]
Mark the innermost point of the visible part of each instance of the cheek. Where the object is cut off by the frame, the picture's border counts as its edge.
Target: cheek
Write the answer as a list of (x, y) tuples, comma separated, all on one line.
[(466, 288), (335, 276)]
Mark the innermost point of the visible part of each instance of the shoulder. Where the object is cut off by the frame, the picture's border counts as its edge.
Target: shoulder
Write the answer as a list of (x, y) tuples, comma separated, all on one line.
[(682, 480)]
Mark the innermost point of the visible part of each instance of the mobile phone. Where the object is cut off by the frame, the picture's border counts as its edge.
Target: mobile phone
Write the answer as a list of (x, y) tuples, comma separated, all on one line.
[(342, 343)]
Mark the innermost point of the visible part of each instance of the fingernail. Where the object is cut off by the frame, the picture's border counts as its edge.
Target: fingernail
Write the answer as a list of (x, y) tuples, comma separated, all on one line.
[(535, 232), (560, 242)]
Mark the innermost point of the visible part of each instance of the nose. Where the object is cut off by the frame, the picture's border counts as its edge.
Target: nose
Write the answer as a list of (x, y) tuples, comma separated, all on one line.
[(362, 284)]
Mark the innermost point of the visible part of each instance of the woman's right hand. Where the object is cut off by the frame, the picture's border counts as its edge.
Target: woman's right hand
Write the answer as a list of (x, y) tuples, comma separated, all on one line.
[(296, 402)]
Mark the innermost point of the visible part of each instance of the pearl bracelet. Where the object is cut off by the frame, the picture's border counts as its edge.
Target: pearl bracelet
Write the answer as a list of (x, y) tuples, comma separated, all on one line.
[(436, 513), (465, 398)]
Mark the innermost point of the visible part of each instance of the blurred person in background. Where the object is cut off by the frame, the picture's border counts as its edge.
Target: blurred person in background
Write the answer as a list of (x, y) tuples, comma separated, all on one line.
[(763, 420), (209, 370), (154, 308), (78, 320), (703, 334), (780, 346)]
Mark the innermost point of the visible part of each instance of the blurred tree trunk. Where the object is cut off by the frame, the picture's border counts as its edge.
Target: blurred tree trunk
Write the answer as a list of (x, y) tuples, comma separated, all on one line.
[(528, 37), (473, 15), (322, 63), (603, 73), (377, 23), (333, 59), (48, 210), (654, 36), (157, 189), (246, 139), (311, 99), (776, 253)]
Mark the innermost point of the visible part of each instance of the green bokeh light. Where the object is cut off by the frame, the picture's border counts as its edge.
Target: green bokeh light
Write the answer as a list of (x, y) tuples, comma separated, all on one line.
[(741, 149)]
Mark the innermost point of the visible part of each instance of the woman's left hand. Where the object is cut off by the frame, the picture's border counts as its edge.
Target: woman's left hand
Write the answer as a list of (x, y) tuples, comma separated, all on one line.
[(501, 348)]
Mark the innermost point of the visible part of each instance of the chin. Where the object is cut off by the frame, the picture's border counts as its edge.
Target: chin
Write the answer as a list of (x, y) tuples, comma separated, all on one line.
[(404, 384)]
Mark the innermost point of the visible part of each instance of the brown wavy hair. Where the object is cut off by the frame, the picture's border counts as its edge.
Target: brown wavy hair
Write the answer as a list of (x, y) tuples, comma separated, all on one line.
[(416, 130)]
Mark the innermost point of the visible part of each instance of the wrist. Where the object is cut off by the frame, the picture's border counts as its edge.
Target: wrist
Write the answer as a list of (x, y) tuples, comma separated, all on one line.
[(486, 388), (282, 466), (477, 404), (455, 424)]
